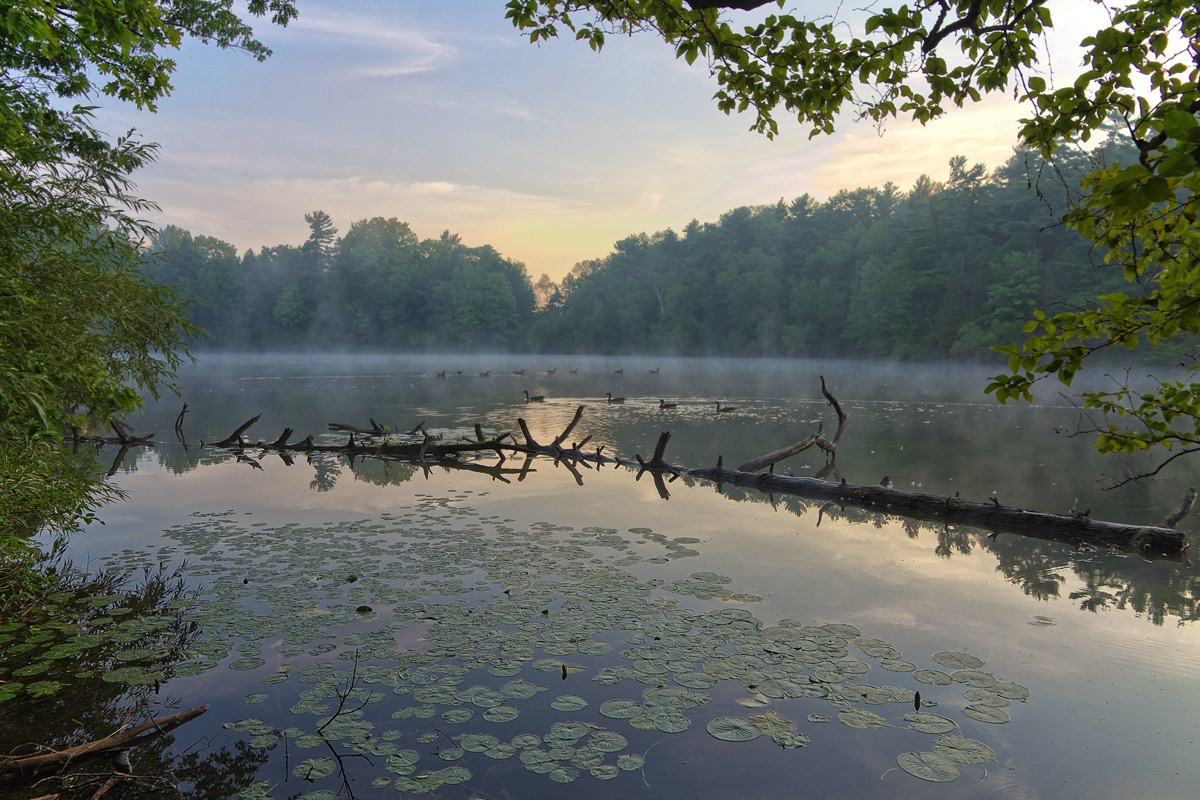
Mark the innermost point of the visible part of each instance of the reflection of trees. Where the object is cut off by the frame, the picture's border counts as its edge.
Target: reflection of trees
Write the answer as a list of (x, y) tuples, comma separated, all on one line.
[(83, 627), (326, 470), (1158, 591)]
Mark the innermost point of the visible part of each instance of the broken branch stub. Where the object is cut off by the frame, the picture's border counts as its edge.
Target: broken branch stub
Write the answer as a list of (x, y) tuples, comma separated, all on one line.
[(817, 439)]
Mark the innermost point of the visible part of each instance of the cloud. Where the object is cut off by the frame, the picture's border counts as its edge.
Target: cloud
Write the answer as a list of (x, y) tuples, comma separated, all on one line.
[(396, 51)]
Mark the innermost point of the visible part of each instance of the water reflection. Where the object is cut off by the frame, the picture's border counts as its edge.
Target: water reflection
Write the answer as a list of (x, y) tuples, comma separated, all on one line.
[(1157, 592), (98, 652)]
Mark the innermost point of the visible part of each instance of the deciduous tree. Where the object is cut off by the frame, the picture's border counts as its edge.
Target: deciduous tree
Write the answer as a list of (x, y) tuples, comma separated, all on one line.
[(1142, 67)]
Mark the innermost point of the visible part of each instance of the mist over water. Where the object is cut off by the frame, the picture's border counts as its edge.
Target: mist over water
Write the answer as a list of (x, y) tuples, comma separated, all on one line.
[(1068, 624)]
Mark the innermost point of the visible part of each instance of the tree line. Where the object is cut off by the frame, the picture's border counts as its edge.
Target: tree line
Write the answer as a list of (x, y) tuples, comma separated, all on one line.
[(945, 270)]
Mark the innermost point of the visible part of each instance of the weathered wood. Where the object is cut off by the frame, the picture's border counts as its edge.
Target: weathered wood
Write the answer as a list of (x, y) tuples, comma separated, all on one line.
[(1173, 519), (26, 766), (375, 430), (1147, 541), (235, 437), (562, 437), (817, 439)]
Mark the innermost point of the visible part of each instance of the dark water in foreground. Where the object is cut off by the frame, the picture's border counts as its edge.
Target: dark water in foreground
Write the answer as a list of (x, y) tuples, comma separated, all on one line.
[(374, 630)]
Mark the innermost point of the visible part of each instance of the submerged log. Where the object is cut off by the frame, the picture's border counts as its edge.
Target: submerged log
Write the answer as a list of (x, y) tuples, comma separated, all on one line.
[(27, 766)]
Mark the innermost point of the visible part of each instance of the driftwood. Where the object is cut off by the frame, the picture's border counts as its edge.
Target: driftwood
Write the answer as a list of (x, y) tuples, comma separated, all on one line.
[(1074, 529), (26, 766), (830, 447)]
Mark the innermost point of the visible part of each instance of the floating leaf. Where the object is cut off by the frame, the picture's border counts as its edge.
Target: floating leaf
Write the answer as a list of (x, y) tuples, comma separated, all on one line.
[(501, 714), (933, 676), (861, 718), (929, 723), (568, 702), (987, 714), (314, 768), (955, 660), (971, 677), (963, 750), (733, 729), (620, 709), (630, 761), (607, 741), (1013, 691), (928, 766)]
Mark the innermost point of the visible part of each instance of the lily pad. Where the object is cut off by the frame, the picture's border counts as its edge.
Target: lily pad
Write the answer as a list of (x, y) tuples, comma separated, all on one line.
[(956, 660), (861, 718), (928, 766), (929, 723), (620, 708), (987, 714), (568, 702), (963, 750), (733, 729), (933, 676)]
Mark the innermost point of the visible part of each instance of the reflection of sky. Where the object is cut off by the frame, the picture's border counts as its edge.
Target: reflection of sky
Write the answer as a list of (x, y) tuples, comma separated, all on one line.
[(440, 114), (1082, 668), (1096, 678)]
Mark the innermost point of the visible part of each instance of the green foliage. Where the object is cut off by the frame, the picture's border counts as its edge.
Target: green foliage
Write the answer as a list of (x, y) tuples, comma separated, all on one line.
[(941, 271), (1142, 69), (377, 286), (83, 330)]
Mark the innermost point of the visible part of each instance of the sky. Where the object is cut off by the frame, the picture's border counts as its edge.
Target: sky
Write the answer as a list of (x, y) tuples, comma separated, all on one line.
[(439, 113)]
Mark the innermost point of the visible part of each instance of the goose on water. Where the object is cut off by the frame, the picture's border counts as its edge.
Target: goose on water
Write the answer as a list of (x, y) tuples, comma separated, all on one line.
[(726, 409), (663, 404), (612, 399), (537, 398)]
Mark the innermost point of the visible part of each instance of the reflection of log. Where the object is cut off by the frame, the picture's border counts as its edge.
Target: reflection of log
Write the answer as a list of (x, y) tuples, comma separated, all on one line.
[(1147, 541), (770, 459), (26, 766)]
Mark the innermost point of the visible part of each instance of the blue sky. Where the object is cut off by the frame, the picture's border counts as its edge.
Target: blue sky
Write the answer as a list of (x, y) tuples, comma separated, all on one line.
[(439, 113)]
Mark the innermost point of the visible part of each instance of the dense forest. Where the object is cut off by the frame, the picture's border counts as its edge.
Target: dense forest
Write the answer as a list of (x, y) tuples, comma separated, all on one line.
[(944, 270)]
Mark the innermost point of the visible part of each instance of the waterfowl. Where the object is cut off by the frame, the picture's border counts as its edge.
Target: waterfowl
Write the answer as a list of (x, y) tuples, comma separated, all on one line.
[(574, 371), (442, 374), (655, 370), (663, 404), (485, 374), (726, 409), (537, 398), (520, 372), (619, 371), (551, 371), (612, 399)]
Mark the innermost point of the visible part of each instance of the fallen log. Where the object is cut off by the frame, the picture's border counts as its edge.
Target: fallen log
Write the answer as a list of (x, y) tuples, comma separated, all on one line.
[(27, 766), (1151, 542)]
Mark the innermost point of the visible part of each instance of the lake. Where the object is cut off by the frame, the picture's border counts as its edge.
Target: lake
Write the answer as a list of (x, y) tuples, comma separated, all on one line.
[(375, 629)]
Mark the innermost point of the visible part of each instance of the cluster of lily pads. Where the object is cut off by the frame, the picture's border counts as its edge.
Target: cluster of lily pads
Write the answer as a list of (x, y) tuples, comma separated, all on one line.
[(451, 628), (84, 632)]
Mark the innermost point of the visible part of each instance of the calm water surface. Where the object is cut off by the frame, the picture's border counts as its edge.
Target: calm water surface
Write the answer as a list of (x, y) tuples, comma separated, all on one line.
[(416, 603)]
